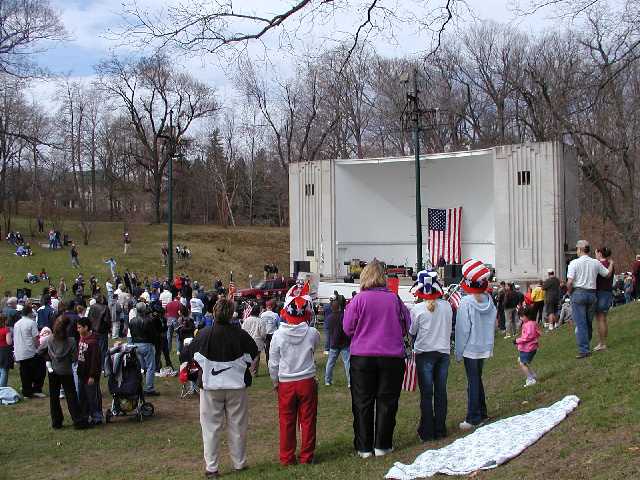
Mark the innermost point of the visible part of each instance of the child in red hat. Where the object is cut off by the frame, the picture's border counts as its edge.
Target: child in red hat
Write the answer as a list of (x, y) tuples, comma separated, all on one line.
[(292, 368)]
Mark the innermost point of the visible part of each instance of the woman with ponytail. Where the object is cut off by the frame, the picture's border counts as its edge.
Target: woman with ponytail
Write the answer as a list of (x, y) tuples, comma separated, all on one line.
[(431, 322)]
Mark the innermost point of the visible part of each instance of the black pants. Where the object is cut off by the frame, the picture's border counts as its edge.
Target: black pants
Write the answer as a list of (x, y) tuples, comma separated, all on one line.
[(162, 348), (90, 398), (32, 374), (71, 396), (501, 320), (267, 346), (375, 390)]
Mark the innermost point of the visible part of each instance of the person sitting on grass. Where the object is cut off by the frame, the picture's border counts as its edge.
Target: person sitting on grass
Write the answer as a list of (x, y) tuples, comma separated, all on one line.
[(527, 343), (292, 368), (89, 370)]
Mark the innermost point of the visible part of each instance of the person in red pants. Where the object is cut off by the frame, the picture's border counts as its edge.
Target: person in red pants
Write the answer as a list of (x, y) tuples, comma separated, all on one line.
[(292, 368)]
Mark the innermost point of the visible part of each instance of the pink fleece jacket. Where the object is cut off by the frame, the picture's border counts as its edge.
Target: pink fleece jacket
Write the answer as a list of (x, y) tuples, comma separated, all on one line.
[(528, 341)]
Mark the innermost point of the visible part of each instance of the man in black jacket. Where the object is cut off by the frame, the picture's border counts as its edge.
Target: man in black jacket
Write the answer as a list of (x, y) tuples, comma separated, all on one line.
[(161, 343), (100, 318), (143, 336), (224, 353)]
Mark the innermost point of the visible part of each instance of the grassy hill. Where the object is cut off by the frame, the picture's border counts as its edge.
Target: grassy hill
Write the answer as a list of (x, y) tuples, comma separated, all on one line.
[(216, 252), (600, 440)]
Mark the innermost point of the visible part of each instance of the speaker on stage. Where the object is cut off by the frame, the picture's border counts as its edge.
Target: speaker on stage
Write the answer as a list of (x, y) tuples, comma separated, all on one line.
[(452, 273)]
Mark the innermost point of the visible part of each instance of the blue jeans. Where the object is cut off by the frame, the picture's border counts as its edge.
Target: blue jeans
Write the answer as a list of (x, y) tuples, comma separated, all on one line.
[(476, 403), (582, 308), (432, 369), (331, 362), (146, 353), (4, 377), (172, 323), (197, 319)]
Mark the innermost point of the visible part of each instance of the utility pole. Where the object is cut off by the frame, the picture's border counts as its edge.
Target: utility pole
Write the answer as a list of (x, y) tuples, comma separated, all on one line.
[(172, 151), (414, 115), (415, 112)]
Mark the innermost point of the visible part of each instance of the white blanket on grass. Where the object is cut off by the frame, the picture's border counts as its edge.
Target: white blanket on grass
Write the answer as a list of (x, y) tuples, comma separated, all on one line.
[(488, 446)]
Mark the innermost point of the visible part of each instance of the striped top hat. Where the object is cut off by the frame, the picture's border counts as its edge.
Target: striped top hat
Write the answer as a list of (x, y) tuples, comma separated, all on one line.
[(297, 304), (475, 276), (427, 285)]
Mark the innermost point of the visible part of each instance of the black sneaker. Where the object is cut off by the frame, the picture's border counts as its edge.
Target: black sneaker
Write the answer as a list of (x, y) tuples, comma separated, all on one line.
[(583, 355), (152, 393)]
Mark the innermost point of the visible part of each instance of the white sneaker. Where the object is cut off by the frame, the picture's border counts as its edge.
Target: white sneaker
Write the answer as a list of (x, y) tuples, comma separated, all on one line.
[(599, 348), (381, 452), (551, 327), (326, 352), (61, 396), (365, 454), (466, 426), (327, 384), (530, 381), (39, 395), (507, 337)]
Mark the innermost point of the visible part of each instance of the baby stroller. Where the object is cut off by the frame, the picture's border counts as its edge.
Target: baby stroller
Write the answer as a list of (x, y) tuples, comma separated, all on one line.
[(125, 384), (189, 378)]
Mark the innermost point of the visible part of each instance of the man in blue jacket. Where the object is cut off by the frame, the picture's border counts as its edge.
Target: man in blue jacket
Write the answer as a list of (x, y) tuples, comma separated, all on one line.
[(45, 314)]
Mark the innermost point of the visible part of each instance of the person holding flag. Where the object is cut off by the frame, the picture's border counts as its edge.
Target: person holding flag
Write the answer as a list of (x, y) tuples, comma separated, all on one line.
[(431, 324)]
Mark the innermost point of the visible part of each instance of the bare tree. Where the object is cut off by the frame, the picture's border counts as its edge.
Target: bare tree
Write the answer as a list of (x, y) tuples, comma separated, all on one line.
[(26, 28), (151, 91), (216, 26)]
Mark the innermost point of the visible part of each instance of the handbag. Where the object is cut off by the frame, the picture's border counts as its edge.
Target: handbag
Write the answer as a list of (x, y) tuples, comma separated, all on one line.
[(407, 341)]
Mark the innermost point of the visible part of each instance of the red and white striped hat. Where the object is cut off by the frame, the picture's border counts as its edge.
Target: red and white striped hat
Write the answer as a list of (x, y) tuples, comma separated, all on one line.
[(476, 276)]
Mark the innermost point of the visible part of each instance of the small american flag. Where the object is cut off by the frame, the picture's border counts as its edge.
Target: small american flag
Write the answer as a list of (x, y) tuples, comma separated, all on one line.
[(454, 300), (444, 234), (410, 374), (247, 311)]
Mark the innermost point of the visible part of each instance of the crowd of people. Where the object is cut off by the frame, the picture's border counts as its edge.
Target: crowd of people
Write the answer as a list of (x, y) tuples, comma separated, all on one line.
[(373, 333)]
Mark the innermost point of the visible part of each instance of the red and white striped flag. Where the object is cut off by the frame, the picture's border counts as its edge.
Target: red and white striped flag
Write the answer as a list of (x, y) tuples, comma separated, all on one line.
[(247, 311), (410, 374), (445, 227), (454, 300)]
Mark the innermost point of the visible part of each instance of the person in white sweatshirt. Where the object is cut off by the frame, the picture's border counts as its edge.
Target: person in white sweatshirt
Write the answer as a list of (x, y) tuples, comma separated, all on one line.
[(431, 324), (292, 368)]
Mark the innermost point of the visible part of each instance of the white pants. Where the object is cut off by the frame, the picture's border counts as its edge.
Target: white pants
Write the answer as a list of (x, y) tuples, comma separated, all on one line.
[(215, 405)]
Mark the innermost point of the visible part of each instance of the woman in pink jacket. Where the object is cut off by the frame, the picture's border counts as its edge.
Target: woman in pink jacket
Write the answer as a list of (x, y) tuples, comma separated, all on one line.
[(527, 343)]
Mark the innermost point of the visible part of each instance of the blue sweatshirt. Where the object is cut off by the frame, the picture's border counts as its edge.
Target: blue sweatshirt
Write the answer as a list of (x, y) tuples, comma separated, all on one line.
[(475, 326)]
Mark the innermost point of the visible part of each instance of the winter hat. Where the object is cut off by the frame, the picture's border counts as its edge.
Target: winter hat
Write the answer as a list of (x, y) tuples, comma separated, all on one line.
[(297, 305), (475, 276), (427, 285)]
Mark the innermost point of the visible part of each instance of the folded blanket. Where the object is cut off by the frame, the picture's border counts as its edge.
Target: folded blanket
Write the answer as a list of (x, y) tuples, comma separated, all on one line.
[(488, 446), (8, 396)]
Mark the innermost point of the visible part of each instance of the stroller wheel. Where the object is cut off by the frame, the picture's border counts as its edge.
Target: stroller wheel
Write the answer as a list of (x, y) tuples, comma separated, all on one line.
[(147, 409)]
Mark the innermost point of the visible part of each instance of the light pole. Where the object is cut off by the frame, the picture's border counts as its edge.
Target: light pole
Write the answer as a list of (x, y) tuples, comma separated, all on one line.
[(414, 113), (172, 150)]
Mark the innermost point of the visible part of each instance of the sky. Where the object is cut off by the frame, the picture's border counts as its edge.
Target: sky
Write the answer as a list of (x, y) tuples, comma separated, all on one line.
[(89, 23)]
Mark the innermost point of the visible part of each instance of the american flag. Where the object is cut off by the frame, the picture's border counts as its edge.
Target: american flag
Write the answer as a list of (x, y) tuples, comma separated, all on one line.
[(410, 374), (247, 311), (454, 300), (444, 234)]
